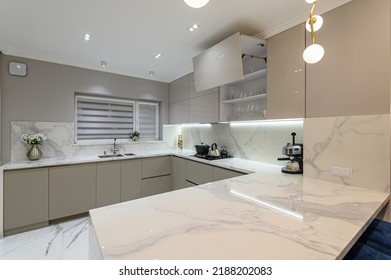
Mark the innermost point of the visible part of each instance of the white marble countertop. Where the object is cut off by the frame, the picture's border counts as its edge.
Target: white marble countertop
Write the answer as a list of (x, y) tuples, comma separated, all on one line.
[(264, 215)]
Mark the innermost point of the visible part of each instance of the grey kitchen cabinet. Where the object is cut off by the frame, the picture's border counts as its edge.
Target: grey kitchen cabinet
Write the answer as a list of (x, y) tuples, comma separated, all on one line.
[(156, 175), (156, 166), (178, 173), (108, 183), (286, 74), (131, 180), (222, 173), (72, 190), (186, 105), (156, 185), (198, 173), (26, 200), (205, 108)]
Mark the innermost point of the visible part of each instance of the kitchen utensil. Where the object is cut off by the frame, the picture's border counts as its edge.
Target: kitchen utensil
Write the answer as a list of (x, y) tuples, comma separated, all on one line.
[(213, 151), (224, 152), (202, 149)]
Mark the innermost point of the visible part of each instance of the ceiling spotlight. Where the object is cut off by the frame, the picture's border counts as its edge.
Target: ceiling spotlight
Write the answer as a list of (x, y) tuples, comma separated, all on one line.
[(158, 55), (87, 36), (151, 73), (103, 64), (196, 3), (193, 27)]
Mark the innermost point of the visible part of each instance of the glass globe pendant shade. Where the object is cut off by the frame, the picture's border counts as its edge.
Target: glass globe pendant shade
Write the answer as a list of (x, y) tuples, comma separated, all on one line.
[(318, 22), (313, 54), (196, 3), (310, 1)]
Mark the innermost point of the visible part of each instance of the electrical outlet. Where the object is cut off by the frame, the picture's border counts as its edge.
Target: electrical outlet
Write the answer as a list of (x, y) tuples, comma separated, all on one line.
[(342, 172)]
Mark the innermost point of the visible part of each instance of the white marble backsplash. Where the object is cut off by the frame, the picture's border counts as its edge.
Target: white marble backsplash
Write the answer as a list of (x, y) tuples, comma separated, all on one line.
[(361, 143), (60, 141), (258, 141)]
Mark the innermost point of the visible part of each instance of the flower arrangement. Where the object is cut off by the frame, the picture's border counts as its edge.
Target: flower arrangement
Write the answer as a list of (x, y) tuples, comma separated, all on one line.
[(135, 135), (33, 139)]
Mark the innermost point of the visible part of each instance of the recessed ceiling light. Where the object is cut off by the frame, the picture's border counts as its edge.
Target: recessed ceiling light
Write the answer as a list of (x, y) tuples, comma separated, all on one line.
[(87, 36), (193, 27), (103, 63), (151, 73), (158, 55)]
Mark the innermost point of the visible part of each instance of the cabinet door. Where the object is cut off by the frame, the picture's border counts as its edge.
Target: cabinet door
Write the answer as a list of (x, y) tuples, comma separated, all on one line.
[(178, 89), (286, 74), (131, 179), (108, 183), (156, 166), (156, 185), (222, 173), (26, 195), (204, 109), (72, 190), (178, 173), (179, 112), (198, 173), (192, 89)]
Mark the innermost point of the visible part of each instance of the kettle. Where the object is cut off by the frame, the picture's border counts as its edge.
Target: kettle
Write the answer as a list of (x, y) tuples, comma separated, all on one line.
[(224, 152), (213, 151)]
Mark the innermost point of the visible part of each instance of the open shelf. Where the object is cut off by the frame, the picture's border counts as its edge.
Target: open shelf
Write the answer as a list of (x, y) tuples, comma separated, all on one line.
[(245, 99), (260, 74)]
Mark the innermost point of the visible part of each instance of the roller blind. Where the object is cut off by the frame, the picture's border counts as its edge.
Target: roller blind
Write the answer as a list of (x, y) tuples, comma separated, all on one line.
[(103, 118), (148, 120)]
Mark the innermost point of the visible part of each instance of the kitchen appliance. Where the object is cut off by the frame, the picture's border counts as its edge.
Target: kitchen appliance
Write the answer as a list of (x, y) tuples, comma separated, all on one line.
[(214, 151), (202, 149), (294, 151)]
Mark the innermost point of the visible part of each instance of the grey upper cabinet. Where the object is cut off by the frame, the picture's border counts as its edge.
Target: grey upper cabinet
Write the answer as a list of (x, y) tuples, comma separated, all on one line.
[(286, 74), (189, 106), (26, 196), (222, 63)]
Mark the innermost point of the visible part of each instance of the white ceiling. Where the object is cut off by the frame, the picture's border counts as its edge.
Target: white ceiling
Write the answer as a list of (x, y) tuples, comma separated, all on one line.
[(129, 33)]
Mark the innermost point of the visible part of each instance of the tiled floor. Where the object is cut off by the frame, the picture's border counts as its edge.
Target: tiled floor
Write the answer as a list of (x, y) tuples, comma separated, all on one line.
[(65, 241)]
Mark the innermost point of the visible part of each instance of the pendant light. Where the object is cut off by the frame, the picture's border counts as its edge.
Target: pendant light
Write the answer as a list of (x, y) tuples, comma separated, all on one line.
[(314, 52), (196, 3)]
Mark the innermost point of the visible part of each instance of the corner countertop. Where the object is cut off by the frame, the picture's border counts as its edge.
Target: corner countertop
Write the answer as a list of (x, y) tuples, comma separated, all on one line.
[(263, 215)]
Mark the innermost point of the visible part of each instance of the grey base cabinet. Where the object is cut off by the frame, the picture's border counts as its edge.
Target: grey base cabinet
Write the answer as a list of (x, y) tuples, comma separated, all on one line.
[(25, 199), (108, 183), (156, 185), (156, 175), (72, 190), (198, 173), (131, 179), (178, 173), (222, 173)]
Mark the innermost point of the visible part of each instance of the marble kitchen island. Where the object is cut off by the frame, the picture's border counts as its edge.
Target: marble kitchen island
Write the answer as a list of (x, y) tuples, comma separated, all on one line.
[(263, 215)]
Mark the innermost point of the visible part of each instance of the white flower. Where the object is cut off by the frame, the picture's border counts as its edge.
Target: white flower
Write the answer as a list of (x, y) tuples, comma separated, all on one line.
[(33, 139)]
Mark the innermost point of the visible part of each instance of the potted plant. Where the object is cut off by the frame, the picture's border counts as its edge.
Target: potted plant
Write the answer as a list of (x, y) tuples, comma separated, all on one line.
[(135, 135), (37, 139)]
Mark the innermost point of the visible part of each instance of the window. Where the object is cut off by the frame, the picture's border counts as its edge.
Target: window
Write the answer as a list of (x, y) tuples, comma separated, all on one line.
[(99, 118)]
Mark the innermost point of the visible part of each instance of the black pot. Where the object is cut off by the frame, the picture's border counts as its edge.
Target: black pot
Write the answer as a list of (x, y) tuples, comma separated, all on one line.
[(202, 149)]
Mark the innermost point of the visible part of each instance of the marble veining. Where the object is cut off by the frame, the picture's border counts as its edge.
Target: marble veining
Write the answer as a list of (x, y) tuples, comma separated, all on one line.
[(361, 143), (264, 215), (67, 241)]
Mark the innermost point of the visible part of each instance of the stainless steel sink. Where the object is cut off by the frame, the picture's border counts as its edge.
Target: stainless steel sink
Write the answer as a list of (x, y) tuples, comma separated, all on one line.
[(110, 156)]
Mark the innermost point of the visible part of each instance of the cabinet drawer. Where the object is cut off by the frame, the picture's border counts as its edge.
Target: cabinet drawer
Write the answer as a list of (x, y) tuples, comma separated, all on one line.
[(198, 173), (157, 166), (26, 197), (222, 173), (156, 185)]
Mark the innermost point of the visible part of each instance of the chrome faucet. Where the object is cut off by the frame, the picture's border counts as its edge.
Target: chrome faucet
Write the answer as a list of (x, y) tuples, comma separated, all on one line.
[(115, 148)]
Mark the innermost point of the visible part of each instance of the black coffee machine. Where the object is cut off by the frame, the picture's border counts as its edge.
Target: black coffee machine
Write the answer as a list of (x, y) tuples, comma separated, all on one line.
[(294, 151)]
